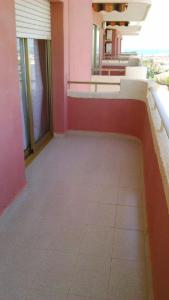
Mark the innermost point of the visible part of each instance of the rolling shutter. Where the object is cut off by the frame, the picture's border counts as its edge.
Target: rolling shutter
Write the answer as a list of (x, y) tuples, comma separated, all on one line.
[(33, 19)]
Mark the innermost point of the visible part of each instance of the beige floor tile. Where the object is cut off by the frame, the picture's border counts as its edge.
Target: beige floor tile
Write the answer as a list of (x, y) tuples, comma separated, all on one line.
[(90, 284), (45, 272), (92, 276), (130, 197), (63, 238), (73, 297), (103, 194), (98, 178), (57, 238), (127, 281), (129, 244), (101, 214), (67, 239), (65, 211), (99, 193), (34, 294), (130, 180), (93, 263), (130, 163), (97, 241), (128, 217), (55, 274)]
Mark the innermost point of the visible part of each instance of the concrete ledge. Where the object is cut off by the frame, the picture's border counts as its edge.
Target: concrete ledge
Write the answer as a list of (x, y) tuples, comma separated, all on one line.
[(129, 89)]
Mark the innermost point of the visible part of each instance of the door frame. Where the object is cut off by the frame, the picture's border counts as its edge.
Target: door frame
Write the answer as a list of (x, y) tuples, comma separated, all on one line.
[(35, 148)]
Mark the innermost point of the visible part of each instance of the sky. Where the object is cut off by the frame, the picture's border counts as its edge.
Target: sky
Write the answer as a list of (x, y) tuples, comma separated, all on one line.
[(155, 30)]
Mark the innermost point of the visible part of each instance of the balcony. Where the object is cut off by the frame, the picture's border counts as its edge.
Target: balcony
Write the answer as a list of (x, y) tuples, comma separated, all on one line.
[(54, 249), (79, 226), (88, 218)]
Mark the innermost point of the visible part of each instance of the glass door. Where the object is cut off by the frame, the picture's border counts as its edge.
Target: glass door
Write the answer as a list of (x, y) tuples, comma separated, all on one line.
[(34, 72), (24, 97), (39, 87)]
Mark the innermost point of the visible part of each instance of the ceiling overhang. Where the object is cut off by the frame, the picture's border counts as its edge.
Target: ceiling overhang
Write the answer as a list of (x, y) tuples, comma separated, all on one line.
[(136, 10), (123, 30)]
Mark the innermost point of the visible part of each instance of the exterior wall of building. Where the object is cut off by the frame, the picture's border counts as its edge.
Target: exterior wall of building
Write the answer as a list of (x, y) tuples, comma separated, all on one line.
[(116, 43), (60, 66), (80, 39), (12, 178), (71, 52)]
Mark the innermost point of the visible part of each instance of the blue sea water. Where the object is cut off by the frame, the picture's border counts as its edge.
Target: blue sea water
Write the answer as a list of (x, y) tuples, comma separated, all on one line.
[(151, 52)]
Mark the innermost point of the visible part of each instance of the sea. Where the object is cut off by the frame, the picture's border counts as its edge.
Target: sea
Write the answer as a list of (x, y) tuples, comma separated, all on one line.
[(150, 52)]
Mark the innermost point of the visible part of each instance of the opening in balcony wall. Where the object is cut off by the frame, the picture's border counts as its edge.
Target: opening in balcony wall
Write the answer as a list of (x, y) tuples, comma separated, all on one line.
[(96, 48)]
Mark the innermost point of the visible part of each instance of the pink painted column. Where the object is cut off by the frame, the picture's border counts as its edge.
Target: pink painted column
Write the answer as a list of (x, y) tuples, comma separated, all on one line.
[(12, 177), (80, 39), (114, 42), (60, 67)]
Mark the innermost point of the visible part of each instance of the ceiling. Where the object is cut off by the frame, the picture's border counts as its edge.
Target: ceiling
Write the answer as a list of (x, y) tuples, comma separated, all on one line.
[(137, 10)]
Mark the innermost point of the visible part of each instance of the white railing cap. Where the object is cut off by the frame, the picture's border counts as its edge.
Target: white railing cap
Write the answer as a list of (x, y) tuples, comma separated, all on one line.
[(161, 99)]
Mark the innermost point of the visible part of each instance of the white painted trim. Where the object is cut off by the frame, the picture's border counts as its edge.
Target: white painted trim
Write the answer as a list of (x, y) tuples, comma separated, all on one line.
[(161, 100), (161, 144)]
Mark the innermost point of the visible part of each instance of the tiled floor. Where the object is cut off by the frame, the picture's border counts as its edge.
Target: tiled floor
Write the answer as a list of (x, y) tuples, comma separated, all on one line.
[(77, 231)]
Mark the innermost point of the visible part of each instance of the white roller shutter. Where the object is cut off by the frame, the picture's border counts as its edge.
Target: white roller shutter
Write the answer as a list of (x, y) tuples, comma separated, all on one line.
[(33, 19)]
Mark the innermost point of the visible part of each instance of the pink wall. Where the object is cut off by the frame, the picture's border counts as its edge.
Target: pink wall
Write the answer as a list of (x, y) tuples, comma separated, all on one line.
[(114, 42), (71, 52), (12, 177), (80, 39), (60, 67), (130, 117), (123, 116), (158, 217)]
